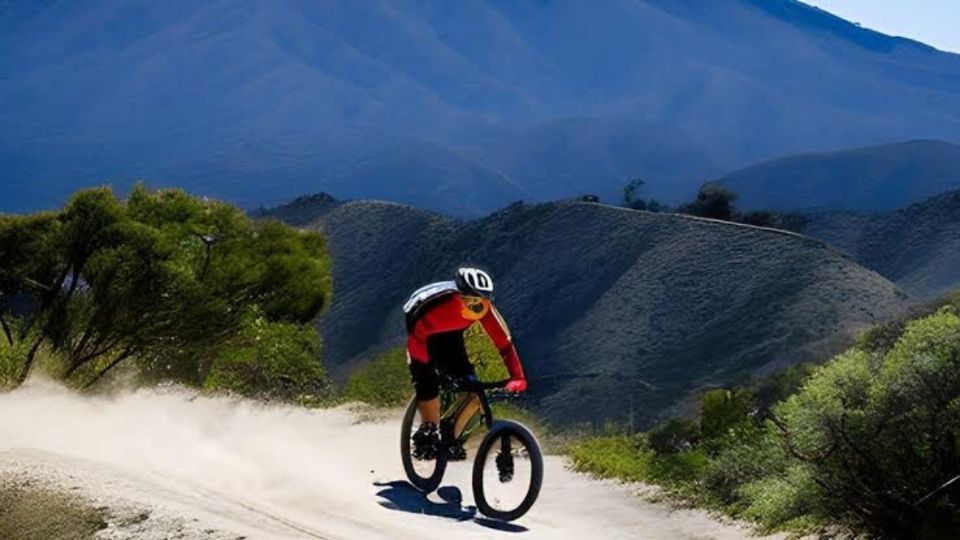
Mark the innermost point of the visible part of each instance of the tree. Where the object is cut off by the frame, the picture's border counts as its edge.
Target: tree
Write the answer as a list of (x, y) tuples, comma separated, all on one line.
[(713, 201), (631, 195), (275, 360), (878, 434), (162, 277)]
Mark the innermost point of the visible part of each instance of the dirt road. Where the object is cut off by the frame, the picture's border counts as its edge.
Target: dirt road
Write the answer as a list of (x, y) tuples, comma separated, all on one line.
[(168, 463)]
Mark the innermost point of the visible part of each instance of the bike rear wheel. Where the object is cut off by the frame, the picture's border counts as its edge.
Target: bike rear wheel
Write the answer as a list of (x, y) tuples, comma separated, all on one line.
[(425, 475), (507, 472)]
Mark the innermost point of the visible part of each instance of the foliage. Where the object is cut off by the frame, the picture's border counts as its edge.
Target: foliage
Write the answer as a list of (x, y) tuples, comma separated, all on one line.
[(674, 435), (786, 501), (275, 360), (613, 456), (713, 201), (780, 385), (162, 277), (384, 381), (632, 198), (723, 410), (879, 433), (857, 442)]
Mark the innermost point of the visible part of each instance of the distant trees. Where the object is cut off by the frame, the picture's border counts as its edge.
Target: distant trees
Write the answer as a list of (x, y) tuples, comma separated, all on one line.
[(632, 198), (161, 277), (716, 201), (713, 201)]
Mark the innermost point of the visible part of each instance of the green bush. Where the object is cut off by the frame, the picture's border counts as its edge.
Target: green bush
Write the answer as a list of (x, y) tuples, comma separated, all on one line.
[(724, 410), (385, 381), (674, 435), (879, 432), (273, 360), (859, 442), (744, 455), (683, 471), (786, 501), (613, 456), (11, 363)]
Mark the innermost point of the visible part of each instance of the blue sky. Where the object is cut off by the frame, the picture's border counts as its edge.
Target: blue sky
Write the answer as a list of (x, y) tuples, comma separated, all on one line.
[(934, 22)]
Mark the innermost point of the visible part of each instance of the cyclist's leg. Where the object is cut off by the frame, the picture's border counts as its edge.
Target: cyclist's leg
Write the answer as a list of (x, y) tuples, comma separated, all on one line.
[(426, 381), (452, 360)]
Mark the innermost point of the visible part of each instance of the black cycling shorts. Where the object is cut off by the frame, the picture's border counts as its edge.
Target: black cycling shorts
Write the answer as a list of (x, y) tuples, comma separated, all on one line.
[(448, 355)]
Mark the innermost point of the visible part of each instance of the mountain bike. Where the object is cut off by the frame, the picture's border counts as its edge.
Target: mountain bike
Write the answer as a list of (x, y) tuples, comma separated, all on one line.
[(508, 465)]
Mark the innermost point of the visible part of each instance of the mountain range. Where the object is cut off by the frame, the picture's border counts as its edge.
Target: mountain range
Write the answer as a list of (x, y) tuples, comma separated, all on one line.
[(458, 107), (917, 247), (873, 179), (608, 306)]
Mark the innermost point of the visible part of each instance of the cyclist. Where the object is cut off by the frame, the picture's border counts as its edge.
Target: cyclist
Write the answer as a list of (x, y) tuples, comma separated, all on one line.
[(437, 316)]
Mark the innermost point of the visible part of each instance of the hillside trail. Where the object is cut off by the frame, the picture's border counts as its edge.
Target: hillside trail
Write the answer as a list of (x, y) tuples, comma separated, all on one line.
[(224, 468)]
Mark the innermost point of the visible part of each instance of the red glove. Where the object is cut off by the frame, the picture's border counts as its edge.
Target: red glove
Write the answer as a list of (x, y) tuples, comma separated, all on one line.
[(516, 385)]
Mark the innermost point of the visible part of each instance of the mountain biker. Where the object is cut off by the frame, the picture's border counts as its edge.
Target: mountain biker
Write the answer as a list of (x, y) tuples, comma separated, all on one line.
[(437, 316)]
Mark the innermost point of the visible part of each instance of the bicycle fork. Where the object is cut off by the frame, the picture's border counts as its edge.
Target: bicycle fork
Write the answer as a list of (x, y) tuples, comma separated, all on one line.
[(505, 460)]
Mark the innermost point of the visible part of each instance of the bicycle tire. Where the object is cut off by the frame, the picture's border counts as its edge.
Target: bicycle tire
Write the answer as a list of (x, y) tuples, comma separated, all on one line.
[(424, 484), (501, 428)]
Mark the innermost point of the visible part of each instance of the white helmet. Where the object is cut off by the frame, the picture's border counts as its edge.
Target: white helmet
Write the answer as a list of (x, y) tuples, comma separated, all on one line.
[(474, 282)]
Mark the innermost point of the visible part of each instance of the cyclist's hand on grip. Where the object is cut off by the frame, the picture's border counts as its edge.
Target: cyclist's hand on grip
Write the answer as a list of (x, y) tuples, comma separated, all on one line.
[(516, 385)]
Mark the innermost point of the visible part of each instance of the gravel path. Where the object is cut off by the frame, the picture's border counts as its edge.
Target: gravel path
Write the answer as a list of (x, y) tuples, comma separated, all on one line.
[(170, 465)]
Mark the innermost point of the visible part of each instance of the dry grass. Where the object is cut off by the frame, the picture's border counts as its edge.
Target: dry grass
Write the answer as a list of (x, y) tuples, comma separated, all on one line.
[(29, 512)]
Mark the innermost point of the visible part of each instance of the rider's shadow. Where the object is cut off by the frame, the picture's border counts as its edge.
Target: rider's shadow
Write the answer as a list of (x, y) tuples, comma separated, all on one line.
[(404, 497)]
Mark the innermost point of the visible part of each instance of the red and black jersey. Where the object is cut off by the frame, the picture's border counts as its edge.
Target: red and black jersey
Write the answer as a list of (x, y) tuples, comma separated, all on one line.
[(449, 313)]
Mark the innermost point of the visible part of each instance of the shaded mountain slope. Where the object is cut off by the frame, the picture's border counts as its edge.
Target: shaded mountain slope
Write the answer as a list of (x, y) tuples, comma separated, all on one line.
[(917, 247), (655, 305), (876, 178), (433, 103)]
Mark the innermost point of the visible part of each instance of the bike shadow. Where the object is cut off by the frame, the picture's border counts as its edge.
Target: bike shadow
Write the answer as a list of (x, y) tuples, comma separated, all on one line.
[(402, 496)]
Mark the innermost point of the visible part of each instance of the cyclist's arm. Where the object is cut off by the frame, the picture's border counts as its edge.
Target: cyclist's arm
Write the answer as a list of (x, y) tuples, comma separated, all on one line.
[(497, 329)]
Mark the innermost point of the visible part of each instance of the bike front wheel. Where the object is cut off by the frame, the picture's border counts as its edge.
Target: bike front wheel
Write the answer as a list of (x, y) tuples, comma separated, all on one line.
[(507, 472), (424, 474)]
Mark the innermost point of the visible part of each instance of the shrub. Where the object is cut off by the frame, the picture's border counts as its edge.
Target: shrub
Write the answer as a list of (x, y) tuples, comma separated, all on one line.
[(680, 470), (271, 360), (384, 381), (879, 432), (612, 456), (746, 454), (784, 501), (674, 435), (723, 410)]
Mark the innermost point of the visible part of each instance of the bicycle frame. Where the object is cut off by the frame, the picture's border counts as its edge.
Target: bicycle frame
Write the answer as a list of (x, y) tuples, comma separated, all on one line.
[(478, 389)]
